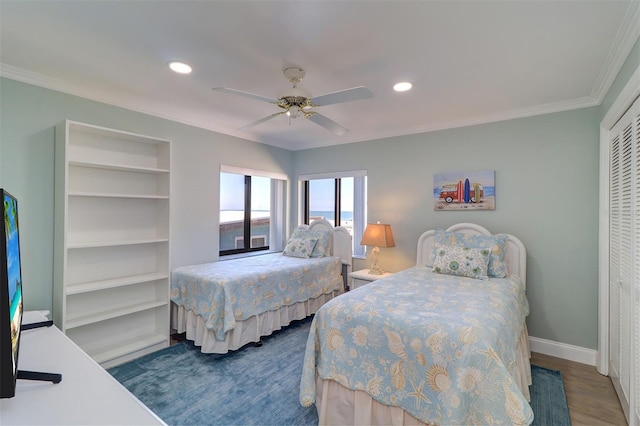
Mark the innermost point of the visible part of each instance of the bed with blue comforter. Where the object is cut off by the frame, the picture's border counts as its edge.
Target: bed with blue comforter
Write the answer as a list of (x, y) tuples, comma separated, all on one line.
[(421, 347), (223, 305), (223, 293)]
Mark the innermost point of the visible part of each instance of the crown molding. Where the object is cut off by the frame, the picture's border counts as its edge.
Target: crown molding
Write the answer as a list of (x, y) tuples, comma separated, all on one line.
[(46, 82), (40, 80), (625, 98), (549, 108), (628, 34), (626, 37)]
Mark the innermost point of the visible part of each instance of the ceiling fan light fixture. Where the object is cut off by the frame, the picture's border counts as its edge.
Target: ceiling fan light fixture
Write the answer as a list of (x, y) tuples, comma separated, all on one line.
[(294, 112), (180, 67), (296, 102), (402, 86)]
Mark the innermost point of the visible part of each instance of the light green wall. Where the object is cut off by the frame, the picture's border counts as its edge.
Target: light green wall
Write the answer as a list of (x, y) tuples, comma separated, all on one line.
[(546, 170), (29, 115)]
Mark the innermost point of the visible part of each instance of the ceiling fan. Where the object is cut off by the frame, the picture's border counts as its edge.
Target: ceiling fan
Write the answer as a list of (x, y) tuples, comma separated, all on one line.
[(296, 102)]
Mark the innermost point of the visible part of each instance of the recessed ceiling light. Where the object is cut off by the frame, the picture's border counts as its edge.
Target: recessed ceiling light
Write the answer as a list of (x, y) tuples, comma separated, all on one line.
[(402, 86), (180, 67)]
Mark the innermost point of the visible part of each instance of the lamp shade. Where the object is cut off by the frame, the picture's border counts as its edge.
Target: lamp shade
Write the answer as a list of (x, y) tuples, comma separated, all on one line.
[(378, 235)]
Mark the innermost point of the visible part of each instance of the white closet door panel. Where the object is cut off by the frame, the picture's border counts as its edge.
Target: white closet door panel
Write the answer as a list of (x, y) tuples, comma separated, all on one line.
[(635, 288), (614, 256), (624, 260), (636, 351), (626, 257)]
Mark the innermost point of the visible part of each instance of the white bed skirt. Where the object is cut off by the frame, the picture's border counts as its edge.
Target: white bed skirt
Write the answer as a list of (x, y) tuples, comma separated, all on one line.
[(247, 331), (338, 405)]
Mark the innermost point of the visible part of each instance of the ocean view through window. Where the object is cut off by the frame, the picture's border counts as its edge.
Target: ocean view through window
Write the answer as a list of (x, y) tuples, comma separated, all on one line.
[(338, 198), (245, 213)]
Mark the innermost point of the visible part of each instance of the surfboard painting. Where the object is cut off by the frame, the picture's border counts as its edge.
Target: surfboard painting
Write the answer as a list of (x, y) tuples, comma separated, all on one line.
[(467, 190), (464, 190)]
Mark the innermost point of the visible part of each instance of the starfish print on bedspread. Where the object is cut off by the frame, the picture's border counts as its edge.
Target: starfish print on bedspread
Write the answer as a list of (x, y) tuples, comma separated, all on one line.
[(491, 354), (417, 393)]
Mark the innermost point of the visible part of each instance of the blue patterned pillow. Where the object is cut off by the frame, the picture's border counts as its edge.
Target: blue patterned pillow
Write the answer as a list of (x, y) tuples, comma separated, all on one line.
[(299, 247), (496, 243), (322, 237), (462, 261)]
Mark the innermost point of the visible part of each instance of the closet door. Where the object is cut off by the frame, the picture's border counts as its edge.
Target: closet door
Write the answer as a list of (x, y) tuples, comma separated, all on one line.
[(614, 259), (635, 291), (624, 262)]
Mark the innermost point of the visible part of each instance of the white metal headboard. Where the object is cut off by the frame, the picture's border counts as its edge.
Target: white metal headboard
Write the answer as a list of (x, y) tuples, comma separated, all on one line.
[(340, 243), (515, 254)]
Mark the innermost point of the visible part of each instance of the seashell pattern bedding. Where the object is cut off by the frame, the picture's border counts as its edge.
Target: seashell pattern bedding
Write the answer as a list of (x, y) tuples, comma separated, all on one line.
[(445, 349)]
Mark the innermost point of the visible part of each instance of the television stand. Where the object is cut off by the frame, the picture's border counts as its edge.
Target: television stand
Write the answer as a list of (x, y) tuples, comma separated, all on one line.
[(36, 375), (87, 395), (31, 326)]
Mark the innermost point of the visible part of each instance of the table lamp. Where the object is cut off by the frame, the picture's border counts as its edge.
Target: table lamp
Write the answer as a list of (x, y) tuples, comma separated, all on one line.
[(377, 235)]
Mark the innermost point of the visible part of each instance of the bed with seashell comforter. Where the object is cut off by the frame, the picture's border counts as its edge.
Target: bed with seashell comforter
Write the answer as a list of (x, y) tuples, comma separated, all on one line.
[(222, 306), (444, 342)]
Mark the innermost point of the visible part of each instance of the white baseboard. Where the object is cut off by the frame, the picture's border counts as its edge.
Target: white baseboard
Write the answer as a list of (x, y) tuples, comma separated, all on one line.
[(562, 350)]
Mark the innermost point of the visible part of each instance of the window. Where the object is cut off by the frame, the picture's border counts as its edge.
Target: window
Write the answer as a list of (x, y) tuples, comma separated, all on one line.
[(338, 198), (251, 211)]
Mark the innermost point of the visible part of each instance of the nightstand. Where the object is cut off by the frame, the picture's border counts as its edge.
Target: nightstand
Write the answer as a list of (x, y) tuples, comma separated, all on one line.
[(362, 277)]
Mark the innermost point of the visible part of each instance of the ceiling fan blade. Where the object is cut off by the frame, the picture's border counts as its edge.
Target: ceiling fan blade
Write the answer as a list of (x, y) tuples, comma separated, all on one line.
[(262, 120), (329, 124), (347, 95), (245, 94)]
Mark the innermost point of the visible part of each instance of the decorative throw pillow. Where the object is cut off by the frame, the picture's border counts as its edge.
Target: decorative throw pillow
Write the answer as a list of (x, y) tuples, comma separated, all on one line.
[(322, 237), (496, 243), (300, 247), (462, 261)]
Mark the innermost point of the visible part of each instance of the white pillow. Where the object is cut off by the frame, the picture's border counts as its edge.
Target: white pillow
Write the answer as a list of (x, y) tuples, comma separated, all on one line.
[(497, 244), (461, 261), (300, 247), (321, 249)]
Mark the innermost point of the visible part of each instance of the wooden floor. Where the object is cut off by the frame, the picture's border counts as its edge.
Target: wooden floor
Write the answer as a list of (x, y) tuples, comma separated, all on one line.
[(591, 397)]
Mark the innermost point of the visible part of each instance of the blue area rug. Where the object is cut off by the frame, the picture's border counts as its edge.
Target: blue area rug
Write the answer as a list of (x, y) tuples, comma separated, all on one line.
[(259, 385), (548, 399)]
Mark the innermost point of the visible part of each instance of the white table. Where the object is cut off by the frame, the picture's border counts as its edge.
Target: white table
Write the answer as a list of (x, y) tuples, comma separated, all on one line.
[(88, 394), (362, 277)]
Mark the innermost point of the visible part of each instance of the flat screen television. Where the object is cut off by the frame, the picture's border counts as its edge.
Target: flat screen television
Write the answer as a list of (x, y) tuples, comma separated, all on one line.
[(10, 295), (11, 304)]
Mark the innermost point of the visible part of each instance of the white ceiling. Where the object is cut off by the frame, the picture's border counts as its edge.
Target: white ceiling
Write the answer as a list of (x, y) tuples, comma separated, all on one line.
[(470, 61)]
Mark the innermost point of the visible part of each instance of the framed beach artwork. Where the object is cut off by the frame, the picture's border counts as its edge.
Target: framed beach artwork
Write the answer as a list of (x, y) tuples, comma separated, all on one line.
[(464, 190)]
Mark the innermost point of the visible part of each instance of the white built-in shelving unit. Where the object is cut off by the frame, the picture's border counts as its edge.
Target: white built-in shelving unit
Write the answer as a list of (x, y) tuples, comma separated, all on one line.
[(111, 250)]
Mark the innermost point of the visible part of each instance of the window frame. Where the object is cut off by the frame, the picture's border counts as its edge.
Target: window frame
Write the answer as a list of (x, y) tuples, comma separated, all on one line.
[(359, 202), (277, 217)]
